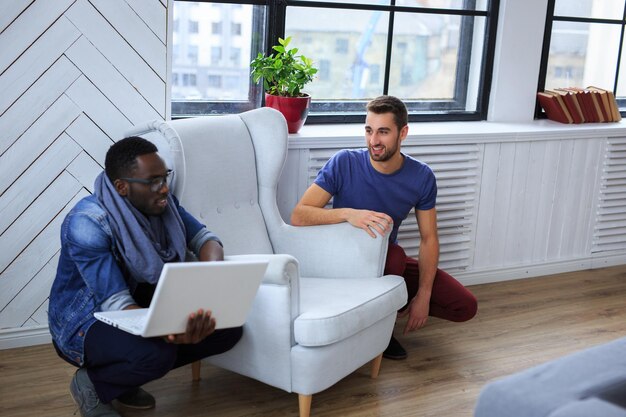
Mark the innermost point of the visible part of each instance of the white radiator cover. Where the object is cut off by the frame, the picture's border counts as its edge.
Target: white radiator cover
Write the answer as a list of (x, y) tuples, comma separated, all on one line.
[(609, 232)]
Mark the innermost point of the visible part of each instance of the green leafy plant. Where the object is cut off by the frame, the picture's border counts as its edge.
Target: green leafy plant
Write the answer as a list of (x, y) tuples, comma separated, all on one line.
[(284, 73)]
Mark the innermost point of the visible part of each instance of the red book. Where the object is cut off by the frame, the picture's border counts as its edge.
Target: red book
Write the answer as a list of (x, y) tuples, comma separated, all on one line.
[(586, 104), (553, 107), (609, 102), (597, 105), (571, 103)]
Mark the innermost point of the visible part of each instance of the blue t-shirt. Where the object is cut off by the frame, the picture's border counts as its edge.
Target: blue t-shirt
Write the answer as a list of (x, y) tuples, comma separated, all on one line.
[(354, 183)]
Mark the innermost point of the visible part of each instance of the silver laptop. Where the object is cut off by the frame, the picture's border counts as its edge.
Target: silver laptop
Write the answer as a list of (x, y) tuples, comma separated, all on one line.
[(227, 288)]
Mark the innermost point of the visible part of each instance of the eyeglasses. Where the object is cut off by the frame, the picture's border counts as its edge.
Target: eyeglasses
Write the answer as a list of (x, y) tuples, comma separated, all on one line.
[(155, 183)]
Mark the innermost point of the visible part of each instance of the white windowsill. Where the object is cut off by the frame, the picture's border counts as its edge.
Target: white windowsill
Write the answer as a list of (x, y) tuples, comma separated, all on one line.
[(352, 134)]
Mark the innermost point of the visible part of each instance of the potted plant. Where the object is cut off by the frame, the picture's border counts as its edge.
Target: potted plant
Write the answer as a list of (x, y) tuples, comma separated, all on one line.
[(284, 75)]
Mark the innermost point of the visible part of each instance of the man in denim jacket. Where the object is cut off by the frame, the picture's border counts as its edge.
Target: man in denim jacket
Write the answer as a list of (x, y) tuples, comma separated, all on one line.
[(113, 246)]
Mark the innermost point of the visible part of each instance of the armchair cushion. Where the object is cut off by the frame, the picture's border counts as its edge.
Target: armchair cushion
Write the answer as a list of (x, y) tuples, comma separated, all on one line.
[(335, 309)]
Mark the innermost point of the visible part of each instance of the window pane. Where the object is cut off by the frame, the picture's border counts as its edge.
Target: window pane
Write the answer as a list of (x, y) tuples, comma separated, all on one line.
[(424, 56), (582, 54), (445, 4), (438, 4), (621, 80), (205, 54), (344, 45), (599, 9)]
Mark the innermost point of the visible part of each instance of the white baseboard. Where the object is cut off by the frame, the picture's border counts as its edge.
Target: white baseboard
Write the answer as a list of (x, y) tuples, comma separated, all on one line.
[(24, 336), (39, 335), (528, 271)]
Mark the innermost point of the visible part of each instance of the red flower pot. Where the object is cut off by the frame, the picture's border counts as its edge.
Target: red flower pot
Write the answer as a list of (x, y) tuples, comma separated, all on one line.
[(295, 109)]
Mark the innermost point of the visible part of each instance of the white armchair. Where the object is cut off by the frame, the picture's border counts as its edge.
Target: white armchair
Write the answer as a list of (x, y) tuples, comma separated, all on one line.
[(323, 309)]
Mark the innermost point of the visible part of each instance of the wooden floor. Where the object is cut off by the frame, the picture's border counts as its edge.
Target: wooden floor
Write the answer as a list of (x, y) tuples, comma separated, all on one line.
[(519, 324)]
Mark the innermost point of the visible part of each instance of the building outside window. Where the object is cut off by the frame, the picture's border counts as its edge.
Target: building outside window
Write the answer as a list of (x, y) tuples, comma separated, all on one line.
[(323, 70), (235, 56), (341, 45), (584, 46), (216, 28), (434, 54), (192, 54), (216, 55)]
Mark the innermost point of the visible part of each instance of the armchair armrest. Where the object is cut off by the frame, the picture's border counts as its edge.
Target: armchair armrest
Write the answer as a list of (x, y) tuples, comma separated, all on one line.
[(281, 270), (264, 351), (334, 250)]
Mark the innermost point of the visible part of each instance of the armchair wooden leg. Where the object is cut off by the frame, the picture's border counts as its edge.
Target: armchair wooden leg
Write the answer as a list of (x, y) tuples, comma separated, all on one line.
[(376, 365), (195, 370), (304, 401)]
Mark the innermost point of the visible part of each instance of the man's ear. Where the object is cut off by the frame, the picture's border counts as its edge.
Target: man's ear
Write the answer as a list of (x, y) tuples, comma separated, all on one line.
[(404, 132), (121, 187)]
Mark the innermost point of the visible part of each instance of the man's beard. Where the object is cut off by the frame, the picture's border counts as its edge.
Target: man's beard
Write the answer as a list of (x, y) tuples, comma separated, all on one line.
[(386, 155)]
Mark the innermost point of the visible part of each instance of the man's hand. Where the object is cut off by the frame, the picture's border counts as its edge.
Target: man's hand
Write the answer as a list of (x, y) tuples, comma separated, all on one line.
[(417, 311), (199, 326), (369, 221)]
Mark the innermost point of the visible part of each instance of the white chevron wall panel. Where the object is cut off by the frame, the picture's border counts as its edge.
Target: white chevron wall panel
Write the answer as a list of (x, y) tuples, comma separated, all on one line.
[(74, 75)]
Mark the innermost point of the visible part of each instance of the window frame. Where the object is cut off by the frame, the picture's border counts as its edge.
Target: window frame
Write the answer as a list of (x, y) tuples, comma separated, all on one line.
[(545, 53), (353, 111)]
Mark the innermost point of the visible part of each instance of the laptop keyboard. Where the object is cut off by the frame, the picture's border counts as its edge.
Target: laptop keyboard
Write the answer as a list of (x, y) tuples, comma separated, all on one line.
[(134, 322)]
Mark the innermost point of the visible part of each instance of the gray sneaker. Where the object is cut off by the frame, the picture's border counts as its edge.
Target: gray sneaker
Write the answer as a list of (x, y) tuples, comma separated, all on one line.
[(85, 397)]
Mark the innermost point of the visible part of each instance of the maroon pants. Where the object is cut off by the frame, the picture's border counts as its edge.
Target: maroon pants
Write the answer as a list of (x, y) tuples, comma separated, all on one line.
[(449, 300)]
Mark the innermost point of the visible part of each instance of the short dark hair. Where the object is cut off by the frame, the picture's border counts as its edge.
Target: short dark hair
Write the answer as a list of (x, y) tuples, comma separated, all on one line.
[(390, 104), (121, 158)]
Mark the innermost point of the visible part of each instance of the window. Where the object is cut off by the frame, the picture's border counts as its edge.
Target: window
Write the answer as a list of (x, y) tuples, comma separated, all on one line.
[(216, 28), (216, 55), (192, 54), (324, 70), (189, 80), (215, 81), (583, 46), (373, 73), (235, 56), (341, 45), (434, 54), (193, 26)]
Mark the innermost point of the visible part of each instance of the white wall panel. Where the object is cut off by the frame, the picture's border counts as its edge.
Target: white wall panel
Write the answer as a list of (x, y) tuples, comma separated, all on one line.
[(153, 16), (90, 137), (9, 10), (35, 101), (110, 82), (97, 107), (123, 17), (36, 140), (29, 26), (74, 75), (35, 61), (36, 179), (113, 50)]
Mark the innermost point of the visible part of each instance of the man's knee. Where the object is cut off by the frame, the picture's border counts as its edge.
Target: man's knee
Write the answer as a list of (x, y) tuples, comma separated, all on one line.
[(467, 309), (156, 359), (231, 337)]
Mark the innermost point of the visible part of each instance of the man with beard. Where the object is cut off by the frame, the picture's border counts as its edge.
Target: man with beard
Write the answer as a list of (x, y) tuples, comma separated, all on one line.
[(375, 189), (113, 247)]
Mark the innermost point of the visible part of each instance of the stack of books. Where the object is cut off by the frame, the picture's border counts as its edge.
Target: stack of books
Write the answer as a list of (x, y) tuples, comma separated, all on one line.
[(579, 105)]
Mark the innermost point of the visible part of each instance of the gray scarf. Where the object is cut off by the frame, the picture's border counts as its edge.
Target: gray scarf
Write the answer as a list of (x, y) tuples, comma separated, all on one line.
[(145, 243)]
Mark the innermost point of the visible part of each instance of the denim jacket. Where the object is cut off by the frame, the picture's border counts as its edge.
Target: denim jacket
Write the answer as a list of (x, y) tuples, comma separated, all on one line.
[(90, 272)]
